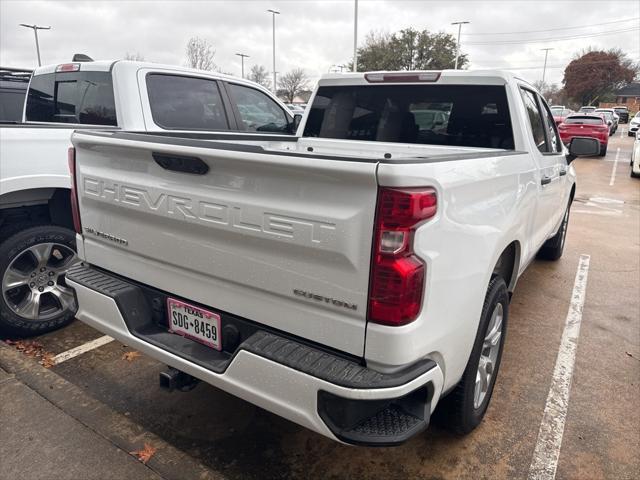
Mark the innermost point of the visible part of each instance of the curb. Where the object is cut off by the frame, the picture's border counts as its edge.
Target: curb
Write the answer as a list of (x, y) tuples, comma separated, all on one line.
[(168, 462)]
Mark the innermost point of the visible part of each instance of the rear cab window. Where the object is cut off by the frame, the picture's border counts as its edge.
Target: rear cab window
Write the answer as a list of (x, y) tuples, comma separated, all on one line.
[(453, 115), (72, 97), (181, 102)]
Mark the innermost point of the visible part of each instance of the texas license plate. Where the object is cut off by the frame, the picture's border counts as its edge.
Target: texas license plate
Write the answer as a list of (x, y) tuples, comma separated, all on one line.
[(194, 322)]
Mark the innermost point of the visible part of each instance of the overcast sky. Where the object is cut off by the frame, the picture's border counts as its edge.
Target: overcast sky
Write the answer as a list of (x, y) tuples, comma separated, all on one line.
[(314, 34)]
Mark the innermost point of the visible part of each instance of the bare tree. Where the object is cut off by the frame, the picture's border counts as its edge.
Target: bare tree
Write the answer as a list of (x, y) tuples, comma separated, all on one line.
[(134, 56), (200, 54), (293, 83), (260, 75)]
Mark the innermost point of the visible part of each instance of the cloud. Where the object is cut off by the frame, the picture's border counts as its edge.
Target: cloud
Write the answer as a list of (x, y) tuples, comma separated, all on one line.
[(311, 34)]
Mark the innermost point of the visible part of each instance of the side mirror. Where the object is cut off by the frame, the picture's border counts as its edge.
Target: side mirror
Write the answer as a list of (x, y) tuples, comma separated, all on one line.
[(295, 123), (582, 146)]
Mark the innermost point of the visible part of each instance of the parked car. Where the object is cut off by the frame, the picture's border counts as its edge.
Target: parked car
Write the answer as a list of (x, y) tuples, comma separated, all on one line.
[(13, 89), (296, 109), (633, 125), (346, 279), (610, 116), (635, 157), (559, 114), (580, 125), (623, 114), (609, 120), (586, 109), (37, 242)]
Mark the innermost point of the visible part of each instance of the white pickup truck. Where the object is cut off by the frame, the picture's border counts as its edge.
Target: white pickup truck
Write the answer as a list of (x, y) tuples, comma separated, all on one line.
[(37, 243), (349, 279)]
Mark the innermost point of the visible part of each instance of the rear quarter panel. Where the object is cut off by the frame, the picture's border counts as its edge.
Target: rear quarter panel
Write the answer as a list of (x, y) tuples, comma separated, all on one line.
[(483, 205)]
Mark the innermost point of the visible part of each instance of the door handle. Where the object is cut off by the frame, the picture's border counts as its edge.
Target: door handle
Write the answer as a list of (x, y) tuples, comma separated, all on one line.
[(545, 180), (563, 172)]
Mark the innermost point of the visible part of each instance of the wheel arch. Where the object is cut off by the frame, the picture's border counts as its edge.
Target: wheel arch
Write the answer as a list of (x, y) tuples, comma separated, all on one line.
[(508, 264), (36, 205)]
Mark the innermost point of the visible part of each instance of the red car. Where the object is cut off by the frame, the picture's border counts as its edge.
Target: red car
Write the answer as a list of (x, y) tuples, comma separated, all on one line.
[(560, 113), (580, 125)]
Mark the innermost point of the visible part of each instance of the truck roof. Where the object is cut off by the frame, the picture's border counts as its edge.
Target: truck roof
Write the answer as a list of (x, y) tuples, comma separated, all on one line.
[(471, 77), (107, 65)]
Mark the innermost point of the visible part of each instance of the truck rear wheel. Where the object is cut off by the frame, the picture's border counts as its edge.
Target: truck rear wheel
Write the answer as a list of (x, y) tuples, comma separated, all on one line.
[(464, 408), (34, 297)]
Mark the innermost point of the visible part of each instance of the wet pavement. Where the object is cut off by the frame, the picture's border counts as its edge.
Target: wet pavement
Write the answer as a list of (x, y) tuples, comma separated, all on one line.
[(602, 434)]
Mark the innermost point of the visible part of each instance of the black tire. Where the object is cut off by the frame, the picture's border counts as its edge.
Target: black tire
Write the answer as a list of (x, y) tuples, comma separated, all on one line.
[(14, 246), (603, 150), (456, 411), (553, 248)]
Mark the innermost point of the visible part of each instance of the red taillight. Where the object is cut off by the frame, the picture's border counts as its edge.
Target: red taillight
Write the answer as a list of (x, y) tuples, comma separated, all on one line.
[(71, 156), (397, 274)]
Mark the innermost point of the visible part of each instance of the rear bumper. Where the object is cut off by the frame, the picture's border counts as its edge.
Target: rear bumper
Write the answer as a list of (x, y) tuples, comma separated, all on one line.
[(566, 139), (325, 392)]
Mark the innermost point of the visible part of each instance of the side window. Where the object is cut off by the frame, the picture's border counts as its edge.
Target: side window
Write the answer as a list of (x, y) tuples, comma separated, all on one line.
[(535, 119), (258, 112), (78, 97), (186, 103), (553, 138)]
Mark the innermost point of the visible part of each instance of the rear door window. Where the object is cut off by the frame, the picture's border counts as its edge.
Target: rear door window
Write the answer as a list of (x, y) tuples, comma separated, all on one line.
[(186, 103), (457, 115), (258, 112), (73, 97)]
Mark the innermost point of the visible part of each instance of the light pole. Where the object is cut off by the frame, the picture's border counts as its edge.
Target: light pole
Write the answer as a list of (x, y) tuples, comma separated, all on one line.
[(544, 69), (35, 32), (458, 43), (242, 57), (274, 13), (355, 36)]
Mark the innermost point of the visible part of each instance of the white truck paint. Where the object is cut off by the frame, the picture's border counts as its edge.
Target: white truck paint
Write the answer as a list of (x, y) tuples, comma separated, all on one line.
[(274, 218), (34, 172)]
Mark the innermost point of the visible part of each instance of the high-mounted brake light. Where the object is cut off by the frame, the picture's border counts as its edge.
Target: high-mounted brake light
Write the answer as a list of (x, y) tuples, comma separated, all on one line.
[(68, 67), (402, 77), (397, 274), (75, 212)]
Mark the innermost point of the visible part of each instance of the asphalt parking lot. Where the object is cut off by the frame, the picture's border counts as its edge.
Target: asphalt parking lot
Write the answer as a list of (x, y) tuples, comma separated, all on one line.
[(601, 437)]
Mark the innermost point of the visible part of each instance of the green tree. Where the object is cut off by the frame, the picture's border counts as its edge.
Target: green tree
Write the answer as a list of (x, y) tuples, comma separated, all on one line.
[(595, 74), (409, 49)]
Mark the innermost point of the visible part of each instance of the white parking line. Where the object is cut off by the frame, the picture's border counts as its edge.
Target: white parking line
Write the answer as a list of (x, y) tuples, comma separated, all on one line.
[(74, 352), (545, 456), (615, 167), (622, 130)]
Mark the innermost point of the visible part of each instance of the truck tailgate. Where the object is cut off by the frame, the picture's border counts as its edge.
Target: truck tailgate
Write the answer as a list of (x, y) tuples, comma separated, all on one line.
[(282, 239)]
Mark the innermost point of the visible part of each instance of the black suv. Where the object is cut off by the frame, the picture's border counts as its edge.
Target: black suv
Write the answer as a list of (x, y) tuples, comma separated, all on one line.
[(13, 89), (623, 113)]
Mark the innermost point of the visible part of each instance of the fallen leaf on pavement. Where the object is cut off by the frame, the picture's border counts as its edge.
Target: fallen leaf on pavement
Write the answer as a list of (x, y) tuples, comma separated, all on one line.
[(48, 360), (33, 349), (145, 454), (130, 356)]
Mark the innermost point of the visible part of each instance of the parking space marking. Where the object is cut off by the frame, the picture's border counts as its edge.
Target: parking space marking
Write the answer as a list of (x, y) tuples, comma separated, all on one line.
[(545, 456), (74, 352), (615, 167)]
